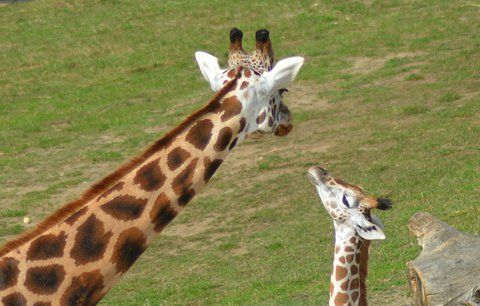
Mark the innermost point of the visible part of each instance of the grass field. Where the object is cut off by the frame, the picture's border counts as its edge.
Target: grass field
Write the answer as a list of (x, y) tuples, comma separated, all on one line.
[(389, 98)]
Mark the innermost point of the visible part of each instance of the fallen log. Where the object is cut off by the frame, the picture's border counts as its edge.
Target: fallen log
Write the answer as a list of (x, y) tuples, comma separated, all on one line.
[(447, 272)]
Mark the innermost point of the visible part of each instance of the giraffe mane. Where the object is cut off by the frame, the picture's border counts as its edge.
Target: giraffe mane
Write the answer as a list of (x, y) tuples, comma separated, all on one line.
[(102, 185), (364, 248)]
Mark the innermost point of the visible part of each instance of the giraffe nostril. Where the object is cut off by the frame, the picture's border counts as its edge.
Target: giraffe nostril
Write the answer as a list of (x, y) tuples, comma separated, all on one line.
[(322, 171)]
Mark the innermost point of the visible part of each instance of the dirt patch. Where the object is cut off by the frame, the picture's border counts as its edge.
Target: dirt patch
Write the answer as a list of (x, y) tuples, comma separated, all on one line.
[(364, 65), (394, 296), (306, 96), (188, 230), (106, 138)]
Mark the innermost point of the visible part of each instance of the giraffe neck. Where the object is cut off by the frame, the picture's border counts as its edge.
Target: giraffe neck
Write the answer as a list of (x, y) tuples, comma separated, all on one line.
[(345, 280), (79, 259)]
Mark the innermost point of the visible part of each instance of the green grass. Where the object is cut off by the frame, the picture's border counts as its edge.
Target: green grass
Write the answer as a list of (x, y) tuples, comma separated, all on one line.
[(86, 85)]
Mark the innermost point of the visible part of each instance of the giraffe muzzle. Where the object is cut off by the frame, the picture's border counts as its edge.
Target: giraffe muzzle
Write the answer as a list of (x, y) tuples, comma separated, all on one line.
[(285, 118), (317, 175)]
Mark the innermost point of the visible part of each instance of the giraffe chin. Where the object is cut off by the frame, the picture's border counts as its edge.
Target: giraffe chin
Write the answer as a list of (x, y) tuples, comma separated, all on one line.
[(283, 130)]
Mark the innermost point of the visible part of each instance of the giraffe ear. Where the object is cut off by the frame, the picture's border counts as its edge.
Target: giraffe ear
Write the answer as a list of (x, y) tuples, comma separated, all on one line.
[(368, 230), (281, 76), (210, 69)]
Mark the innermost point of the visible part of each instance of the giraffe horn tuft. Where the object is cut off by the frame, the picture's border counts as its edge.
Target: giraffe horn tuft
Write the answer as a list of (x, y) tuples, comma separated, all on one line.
[(262, 35), (236, 37), (384, 203)]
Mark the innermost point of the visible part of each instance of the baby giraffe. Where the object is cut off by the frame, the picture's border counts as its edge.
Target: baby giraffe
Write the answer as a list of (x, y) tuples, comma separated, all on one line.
[(354, 227)]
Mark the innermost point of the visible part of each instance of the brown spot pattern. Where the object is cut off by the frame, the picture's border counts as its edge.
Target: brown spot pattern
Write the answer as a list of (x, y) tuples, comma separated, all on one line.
[(84, 289), (162, 213), (8, 272), (230, 108), (248, 72), (223, 140), (150, 177), (199, 135), (45, 279), (76, 215), (342, 259), (350, 258), (231, 73), (354, 270), (210, 167), (184, 180), (341, 298), (344, 285), (355, 295), (176, 158), (340, 273), (244, 85), (233, 144), (47, 246), (243, 122), (355, 284), (349, 249), (14, 299), (261, 118), (125, 207), (42, 304), (130, 245), (90, 242), (270, 121), (186, 197)]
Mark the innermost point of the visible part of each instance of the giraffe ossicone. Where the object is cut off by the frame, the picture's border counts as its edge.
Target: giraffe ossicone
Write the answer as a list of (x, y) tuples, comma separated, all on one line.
[(355, 227), (260, 60), (78, 253)]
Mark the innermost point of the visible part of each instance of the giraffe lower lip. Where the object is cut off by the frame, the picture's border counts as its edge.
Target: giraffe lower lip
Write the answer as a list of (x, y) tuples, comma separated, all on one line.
[(312, 178)]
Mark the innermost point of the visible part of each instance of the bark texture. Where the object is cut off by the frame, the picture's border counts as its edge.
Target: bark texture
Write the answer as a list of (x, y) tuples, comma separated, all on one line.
[(447, 272)]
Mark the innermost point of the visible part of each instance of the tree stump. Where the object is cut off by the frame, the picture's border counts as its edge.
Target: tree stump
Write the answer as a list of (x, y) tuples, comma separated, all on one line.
[(447, 272)]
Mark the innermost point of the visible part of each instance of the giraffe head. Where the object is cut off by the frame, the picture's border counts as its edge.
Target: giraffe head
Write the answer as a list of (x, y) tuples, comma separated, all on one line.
[(260, 94), (348, 206)]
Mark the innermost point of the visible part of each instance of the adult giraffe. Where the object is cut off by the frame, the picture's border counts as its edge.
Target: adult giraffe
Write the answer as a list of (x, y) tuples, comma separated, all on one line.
[(78, 253)]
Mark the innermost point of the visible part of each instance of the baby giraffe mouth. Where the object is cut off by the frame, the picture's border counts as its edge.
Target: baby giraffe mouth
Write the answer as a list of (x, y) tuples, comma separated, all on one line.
[(316, 175)]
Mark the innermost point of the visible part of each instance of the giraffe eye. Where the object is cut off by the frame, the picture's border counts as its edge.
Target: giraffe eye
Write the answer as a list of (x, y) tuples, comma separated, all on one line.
[(345, 201)]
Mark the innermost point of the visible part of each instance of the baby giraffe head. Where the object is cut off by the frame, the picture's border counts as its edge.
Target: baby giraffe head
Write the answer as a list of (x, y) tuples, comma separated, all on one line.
[(260, 95), (348, 206)]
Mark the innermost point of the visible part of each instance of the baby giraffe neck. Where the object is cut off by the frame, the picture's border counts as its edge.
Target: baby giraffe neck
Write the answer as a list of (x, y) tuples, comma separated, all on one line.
[(347, 279)]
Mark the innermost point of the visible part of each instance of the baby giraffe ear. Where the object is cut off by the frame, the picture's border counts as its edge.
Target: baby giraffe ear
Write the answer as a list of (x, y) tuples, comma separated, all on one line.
[(281, 76), (368, 230), (210, 69)]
